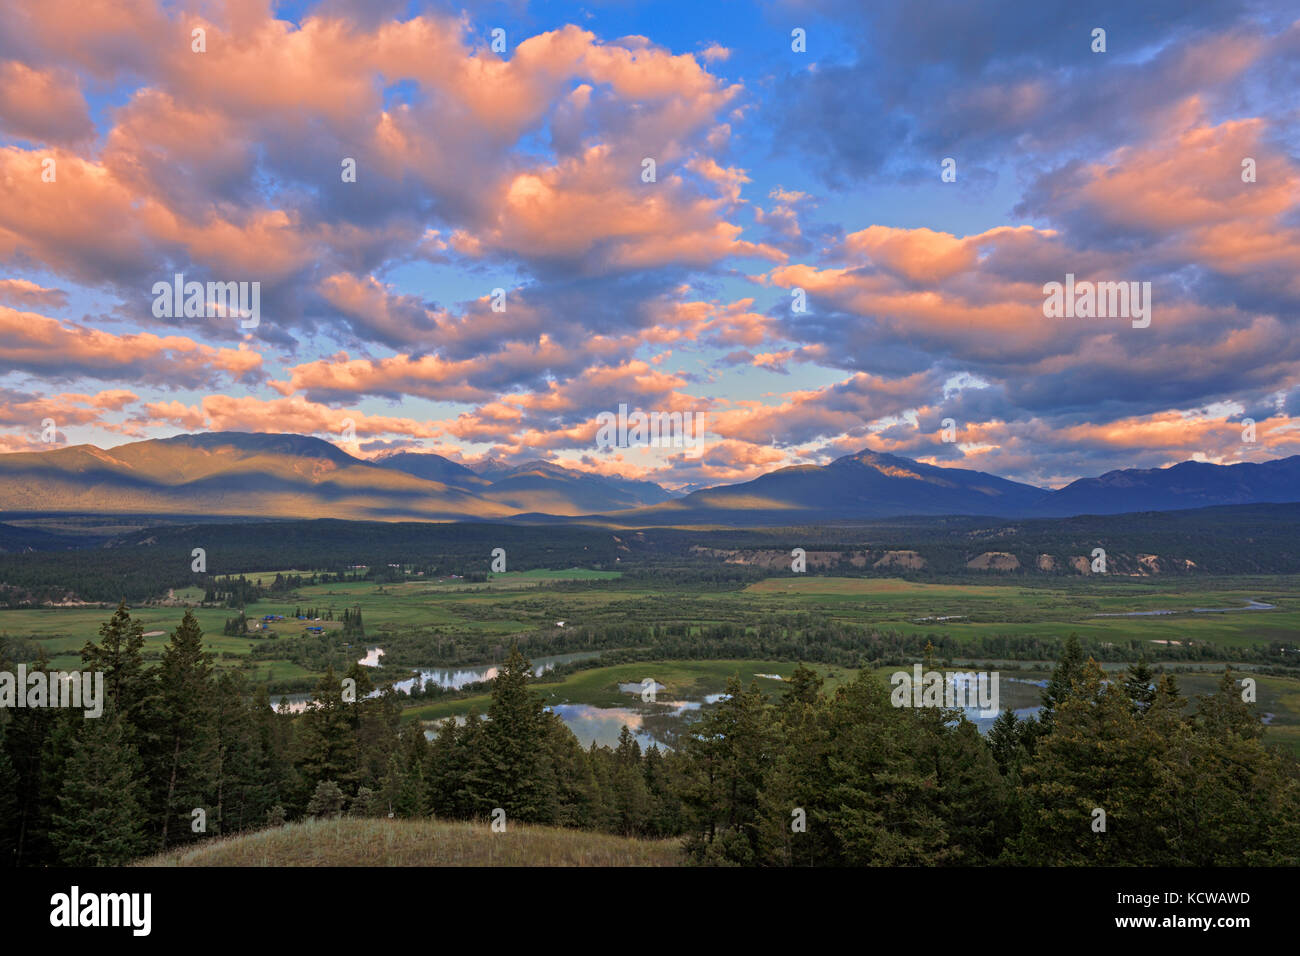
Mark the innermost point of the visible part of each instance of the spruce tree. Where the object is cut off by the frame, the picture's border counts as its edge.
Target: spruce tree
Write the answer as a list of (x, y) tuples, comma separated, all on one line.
[(327, 742), (1140, 686), (119, 656), (1060, 685), (729, 753), (182, 764), (518, 778), (1099, 757), (631, 799), (327, 800), (804, 686), (100, 820), (1225, 713), (1005, 741)]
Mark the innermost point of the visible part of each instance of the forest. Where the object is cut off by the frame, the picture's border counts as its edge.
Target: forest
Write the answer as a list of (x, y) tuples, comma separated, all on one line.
[(143, 564), (1112, 772)]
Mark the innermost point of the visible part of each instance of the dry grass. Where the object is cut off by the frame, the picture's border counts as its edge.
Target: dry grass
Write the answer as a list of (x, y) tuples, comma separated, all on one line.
[(349, 842)]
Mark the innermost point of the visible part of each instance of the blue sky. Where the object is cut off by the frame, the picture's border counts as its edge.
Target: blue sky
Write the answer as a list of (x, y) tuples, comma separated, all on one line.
[(776, 171)]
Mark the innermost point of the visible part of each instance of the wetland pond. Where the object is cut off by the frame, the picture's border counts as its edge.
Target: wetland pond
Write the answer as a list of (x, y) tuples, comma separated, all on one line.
[(659, 721), (451, 678), (663, 720)]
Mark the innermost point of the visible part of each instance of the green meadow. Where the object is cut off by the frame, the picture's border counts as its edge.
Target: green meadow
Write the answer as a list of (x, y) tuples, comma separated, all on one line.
[(599, 686), (488, 613), (910, 607)]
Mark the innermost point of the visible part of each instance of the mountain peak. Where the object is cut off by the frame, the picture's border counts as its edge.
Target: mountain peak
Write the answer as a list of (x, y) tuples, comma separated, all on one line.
[(281, 443), (267, 474), (893, 465)]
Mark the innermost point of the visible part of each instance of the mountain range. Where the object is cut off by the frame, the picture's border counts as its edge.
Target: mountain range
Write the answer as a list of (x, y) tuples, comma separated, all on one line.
[(242, 474)]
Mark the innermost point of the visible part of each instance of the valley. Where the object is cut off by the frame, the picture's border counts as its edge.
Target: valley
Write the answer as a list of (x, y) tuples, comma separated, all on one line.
[(603, 627)]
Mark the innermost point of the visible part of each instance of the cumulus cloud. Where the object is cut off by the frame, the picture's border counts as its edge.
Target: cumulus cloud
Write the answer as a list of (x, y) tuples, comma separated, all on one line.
[(526, 171)]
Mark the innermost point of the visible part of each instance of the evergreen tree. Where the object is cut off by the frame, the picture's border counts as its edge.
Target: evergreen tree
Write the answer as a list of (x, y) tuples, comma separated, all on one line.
[(367, 803), (100, 821), (1060, 685), (243, 787), (630, 798), (28, 748), (974, 800), (476, 791), (182, 763), (326, 800), (804, 686), (665, 813), (577, 792), (1099, 757), (728, 753), (518, 778), (1225, 712), (119, 655), (412, 798), (1005, 741), (327, 742), (1140, 686), (275, 765), (865, 786), (444, 771)]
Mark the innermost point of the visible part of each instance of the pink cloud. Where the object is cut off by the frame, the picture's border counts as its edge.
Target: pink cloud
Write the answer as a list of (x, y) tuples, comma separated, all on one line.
[(41, 345), (44, 106)]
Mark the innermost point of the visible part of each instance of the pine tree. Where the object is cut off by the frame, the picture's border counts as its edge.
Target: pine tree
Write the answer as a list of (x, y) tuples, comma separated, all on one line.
[(274, 732), (518, 778), (366, 804), (631, 799), (1005, 741), (100, 821), (1059, 686), (577, 792), (728, 754), (413, 747), (326, 800), (1099, 757), (327, 742), (804, 686), (867, 791), (182, 762), (1225, 713), (444, 771), (243, 787), (476, 790), (973, 799), (28, 745), (1140, 686), (119, 655), (665, 806)]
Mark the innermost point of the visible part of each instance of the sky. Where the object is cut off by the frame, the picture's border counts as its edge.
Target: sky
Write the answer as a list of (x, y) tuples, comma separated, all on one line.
[(826, 226)]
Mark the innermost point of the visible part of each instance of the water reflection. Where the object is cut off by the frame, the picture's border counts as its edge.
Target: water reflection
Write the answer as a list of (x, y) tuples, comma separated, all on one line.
[(457, 678), (450, 678), (657, 721)]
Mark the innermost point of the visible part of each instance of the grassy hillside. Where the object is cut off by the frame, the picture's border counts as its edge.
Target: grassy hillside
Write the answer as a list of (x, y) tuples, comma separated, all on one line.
[(348, 842)]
